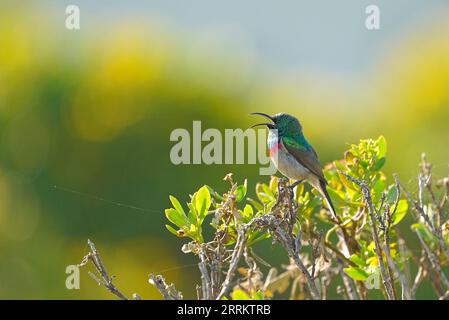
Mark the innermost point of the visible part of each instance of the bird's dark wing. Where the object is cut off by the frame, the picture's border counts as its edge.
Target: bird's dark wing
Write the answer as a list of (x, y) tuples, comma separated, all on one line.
[(308, 159)]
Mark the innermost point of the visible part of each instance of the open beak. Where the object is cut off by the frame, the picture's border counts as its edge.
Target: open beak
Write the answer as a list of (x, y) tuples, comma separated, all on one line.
[(268, 124)]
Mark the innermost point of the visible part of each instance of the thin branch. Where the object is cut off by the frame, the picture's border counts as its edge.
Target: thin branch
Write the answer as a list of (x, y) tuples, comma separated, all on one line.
[(406, 290), (445, 296), (273, 224), (390, 263), (372, 222), (426, 272), (136, 296), (420, 210), (206, 283), (420, 275), (347, 281), (434, 261), (426, 169), (105, 280), (169, 292), (236, 255), (386, 222)]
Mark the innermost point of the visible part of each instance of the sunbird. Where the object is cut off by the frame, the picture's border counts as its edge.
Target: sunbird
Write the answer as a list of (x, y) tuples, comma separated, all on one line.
[(293, 155)]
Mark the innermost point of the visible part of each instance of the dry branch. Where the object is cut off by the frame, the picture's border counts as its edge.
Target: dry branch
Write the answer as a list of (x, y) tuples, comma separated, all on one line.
[(105, 279), (366, 192), (169, 292)]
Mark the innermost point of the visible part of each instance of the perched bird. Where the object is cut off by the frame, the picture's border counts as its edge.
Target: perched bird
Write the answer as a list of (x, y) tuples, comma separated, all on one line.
[(293, 155)]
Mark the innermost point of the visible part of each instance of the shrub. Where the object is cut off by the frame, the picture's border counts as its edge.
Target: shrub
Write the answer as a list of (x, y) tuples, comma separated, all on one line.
[(361, 249)]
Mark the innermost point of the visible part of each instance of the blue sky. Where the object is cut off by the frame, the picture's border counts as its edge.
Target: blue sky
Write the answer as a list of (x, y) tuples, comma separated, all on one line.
[(321, 34)]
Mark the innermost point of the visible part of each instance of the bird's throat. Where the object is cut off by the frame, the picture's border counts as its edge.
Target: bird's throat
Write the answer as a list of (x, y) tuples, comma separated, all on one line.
[(274, 143), (274, 150)]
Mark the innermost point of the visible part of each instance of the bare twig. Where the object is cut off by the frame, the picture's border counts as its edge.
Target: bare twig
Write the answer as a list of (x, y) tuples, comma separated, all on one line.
[(349, 284), (385, 221), (169, 292), (418, 279), (136, 296), (420, 210), (433, 260), (425, 271), (273, 224), (105, 280), (206, 284), (433, 224), (405, 276), (364, 187), (426, 169), (445, 295), (236, 255), (406, 290)]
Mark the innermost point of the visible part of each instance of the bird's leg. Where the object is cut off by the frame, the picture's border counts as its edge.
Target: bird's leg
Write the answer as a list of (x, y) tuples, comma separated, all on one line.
[(289, 189), (294, 184), (284, 189)]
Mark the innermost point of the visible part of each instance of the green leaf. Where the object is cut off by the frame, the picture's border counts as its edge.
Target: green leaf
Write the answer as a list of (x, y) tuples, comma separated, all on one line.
[(193, 215), (262, 194), (357, 260), (266, 189), (298, 190), (214, 194), (349, 157), (258, 295), (270, 205), (400, 213), (347, 183), (247, 212), (240, 192), (392, 194), (177, 218), (263, 197), (381, 147), (172, 230), (240, 295), (379, 186), (339, 165), (257, 205), (356, 273), (379, 164), (337, 197), (202, 201), (256, 237), (176, 204), (274, 184), (423, 231)]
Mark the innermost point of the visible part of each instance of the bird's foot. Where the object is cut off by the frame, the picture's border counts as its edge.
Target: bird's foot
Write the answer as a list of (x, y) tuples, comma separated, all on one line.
[(293, 185), (285, 188)]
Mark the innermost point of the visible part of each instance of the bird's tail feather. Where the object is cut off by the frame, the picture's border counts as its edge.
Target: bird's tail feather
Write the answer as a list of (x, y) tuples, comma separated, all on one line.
[(327, 198)]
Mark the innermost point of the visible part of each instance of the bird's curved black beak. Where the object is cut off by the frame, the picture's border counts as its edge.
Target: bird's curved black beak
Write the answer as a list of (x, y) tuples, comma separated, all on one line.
[(268, 124)]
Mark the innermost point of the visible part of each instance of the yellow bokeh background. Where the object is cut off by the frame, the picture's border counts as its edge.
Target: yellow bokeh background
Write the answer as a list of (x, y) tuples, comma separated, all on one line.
[(85, 120)]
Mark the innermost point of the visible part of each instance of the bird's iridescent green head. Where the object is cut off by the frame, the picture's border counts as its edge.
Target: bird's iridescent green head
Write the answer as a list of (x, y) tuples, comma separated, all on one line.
[(285, 124)]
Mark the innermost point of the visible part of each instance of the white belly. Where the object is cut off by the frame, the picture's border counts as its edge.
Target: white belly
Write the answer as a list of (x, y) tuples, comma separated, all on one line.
[(284, 162), (289, 166)]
